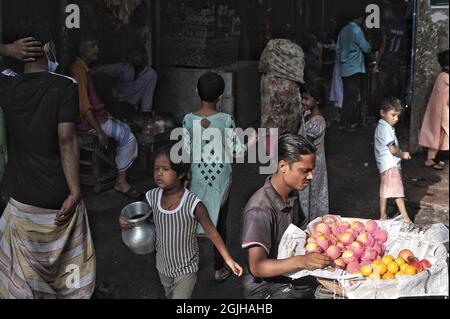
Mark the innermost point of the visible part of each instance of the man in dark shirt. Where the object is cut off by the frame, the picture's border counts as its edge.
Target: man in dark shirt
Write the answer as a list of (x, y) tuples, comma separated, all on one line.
[(390, 53), (44, 233), (40, 110), (25, 50), (268, 214)]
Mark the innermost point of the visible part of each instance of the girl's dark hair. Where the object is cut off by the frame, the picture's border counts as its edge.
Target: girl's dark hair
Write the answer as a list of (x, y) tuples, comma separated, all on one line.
[(291, 146), (182, 169), (317, 90), (210, 87), (443, 58)]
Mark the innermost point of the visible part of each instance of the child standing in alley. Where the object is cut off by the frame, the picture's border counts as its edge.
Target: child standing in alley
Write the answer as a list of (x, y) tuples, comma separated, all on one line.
[(176, 213), (388, 156), (314, 199), (211, 176), (434, 132)]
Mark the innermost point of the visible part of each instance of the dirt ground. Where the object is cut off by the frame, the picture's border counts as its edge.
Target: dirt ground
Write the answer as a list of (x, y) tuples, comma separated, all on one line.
[(353, 192)]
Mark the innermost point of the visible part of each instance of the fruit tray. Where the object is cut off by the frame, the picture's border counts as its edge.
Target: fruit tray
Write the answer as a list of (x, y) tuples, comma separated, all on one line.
[(406, 241)]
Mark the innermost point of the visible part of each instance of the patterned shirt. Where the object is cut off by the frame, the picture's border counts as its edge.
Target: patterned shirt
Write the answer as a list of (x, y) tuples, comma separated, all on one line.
[(177, 250)]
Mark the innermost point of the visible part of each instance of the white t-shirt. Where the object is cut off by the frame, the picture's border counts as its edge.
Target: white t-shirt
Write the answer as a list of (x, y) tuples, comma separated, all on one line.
[(385, 137)]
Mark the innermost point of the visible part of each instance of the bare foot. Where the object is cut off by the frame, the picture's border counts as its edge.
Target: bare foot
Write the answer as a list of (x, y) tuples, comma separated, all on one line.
[(383, 217)]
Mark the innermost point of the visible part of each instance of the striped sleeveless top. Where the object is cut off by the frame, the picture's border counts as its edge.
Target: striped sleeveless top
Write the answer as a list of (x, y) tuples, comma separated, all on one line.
[(177, 250)]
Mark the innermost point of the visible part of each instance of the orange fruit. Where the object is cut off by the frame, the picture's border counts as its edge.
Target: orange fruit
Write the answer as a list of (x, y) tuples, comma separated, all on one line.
[(375, 275), (380, 268), (400, 261), (403, 267), (410, 270), (376, 262), (393, 267), (387, 259), (387, 276), (366, 270)]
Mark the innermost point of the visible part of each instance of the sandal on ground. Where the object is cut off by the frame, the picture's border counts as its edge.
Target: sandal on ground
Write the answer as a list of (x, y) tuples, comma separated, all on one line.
[(222, 274), (132, 193)]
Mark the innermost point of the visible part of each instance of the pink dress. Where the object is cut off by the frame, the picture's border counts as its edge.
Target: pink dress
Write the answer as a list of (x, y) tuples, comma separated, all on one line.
[(434, 132)]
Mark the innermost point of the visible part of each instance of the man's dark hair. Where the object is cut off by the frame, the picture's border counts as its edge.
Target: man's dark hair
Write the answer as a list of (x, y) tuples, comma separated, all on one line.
[(182, 169), (317, 90), (140, 49), (85, 37), (283, 31), (391, 103), (36, 27), (210, 87), (291, 146), (443, 58)]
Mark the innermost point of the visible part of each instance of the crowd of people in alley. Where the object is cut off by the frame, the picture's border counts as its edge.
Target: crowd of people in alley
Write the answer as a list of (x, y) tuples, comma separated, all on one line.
[(44, 228)]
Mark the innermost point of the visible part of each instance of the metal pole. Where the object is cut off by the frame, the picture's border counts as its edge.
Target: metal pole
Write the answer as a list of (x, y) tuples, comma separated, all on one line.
[(410, 90)]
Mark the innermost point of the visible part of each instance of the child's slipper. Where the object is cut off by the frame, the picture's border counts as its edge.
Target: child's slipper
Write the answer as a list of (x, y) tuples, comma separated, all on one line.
[(435, 166)]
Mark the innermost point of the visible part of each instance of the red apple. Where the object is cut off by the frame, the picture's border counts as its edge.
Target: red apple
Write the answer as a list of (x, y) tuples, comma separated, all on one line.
[(346, 238), (339, 263), (371, 226), (417, 265), (322, 241), (357, 226), (357, 247), (316, 234), (323, 228), (406, 254), (353, 267), (349, 256), (425, 263), (366, 239), (334, 252), (313, 248)]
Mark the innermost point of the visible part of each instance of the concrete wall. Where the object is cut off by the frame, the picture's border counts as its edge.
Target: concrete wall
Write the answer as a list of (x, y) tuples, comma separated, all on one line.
[(432, 38), (177, 94)]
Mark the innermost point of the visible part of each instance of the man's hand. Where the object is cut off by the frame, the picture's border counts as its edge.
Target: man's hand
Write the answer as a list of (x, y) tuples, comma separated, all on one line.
[(67, 209), (406, 156), (315, 261), (25, 50), (102, 138)]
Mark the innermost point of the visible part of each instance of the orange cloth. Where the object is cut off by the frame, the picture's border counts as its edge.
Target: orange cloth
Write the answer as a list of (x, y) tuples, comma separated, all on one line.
[(88, 97), (434, 132), (79, 70)]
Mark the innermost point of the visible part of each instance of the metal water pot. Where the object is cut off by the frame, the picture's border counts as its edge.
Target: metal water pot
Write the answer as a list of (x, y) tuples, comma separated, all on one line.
[(141, 238)]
